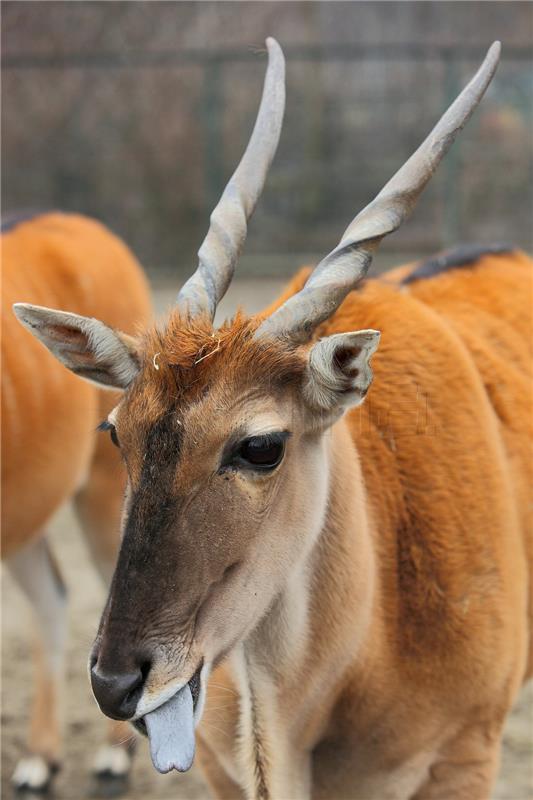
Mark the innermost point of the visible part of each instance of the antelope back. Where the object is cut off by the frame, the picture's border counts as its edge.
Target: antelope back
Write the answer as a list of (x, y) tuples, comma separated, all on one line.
[(48, 415)]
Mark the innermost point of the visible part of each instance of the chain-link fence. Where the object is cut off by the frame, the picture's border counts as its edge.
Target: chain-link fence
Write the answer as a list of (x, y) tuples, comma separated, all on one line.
[(144, 136)]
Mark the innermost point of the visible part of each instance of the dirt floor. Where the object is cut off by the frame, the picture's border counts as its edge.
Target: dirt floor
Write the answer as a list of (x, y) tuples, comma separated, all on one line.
[(86, 726)]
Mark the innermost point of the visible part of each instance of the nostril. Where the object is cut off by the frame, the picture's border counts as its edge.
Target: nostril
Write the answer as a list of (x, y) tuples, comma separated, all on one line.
[(134, 694), (145, 669), (118, 693), (231, 570)]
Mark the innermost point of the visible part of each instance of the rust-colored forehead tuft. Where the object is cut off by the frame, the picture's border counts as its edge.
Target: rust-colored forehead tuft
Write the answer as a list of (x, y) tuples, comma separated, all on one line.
[(185, 343), (183, 357)]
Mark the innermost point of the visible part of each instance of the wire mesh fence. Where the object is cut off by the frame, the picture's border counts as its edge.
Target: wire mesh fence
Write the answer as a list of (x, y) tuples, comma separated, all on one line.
[(145, 137)]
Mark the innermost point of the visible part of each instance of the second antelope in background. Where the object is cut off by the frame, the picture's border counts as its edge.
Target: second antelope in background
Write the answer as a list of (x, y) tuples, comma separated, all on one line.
[(356, 576), (51, 453)]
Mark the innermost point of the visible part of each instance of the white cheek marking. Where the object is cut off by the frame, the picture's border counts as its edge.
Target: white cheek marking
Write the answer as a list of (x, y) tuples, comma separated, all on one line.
[(112, 416)]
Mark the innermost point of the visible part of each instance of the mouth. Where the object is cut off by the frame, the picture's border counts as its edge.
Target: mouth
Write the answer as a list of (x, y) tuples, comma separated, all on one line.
[(170, 728)]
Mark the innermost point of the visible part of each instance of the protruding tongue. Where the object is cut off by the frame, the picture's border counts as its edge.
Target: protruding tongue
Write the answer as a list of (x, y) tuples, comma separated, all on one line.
[(171, 731)]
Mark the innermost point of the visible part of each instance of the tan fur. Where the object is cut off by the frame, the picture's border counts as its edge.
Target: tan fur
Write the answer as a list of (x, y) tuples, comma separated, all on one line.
[(368, 598), (50, 450), (444, 436)]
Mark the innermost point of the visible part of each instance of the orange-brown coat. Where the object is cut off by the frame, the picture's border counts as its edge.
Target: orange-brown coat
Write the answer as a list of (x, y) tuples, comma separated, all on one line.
[(445, 432), (50, 449), (48, 415)]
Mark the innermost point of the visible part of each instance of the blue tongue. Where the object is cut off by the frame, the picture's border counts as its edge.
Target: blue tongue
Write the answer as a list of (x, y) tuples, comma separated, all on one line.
[(171, 732)]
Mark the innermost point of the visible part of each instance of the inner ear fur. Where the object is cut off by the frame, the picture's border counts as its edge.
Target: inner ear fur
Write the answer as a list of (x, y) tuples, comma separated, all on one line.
[(85, 345), (338, 372)]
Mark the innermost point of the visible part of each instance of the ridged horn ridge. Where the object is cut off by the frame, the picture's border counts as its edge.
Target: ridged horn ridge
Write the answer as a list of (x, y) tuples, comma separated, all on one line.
[(227, 232), (341, 270)]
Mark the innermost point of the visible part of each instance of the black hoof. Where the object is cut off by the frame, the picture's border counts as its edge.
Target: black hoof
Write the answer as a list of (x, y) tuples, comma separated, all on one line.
[(28, 792), (107, 784)]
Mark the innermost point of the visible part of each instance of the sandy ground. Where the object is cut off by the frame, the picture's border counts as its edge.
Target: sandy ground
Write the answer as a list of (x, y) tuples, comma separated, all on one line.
[(86, 726)]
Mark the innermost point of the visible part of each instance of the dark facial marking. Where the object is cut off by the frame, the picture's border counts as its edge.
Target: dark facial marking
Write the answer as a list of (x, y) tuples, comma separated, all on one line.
[(142, 570), (153, 505), (162, 448)]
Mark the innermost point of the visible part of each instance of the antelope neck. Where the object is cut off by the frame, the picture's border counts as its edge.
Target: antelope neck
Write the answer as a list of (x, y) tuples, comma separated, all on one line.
[(291, 669)]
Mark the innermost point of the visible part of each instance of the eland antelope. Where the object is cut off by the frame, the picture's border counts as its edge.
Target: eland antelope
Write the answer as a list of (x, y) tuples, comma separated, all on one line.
[(345, 582), (52, 453)]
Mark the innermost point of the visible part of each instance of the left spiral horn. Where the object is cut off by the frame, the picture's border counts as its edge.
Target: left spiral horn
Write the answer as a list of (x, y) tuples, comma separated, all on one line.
[(225, 238)]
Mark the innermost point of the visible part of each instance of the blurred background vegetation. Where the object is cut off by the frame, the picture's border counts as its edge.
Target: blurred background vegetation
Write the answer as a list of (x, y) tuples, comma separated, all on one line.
[(137, 113)]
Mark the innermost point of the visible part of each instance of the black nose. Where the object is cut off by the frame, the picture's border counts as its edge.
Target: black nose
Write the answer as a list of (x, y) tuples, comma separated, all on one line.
[(118, 692)]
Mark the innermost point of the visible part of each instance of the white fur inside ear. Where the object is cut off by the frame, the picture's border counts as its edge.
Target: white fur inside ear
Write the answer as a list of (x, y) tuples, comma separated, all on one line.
[(85, 345), (339, 372)]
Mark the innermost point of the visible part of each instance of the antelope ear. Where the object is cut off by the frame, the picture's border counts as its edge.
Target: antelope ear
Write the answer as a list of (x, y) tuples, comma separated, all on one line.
[(84, 345), (338, 372)]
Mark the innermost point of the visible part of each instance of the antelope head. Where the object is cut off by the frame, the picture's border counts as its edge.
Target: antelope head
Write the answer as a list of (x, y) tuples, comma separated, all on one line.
[(222, 435)]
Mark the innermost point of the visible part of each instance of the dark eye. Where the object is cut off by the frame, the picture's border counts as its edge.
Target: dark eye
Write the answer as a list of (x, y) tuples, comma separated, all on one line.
[(262, 452), (114, 437), (108, 426)]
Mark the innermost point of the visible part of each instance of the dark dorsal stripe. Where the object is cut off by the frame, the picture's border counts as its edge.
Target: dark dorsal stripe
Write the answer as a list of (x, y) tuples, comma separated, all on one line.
[(15, 218), (461, 256)]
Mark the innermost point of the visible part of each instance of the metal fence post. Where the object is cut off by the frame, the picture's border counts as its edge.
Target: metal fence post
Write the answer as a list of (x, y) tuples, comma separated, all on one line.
[(212, 114)]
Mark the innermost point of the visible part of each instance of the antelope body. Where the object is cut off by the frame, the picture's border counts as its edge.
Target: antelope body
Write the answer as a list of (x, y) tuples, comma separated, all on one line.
[(354, 576), (50, 451), (386, 667)]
